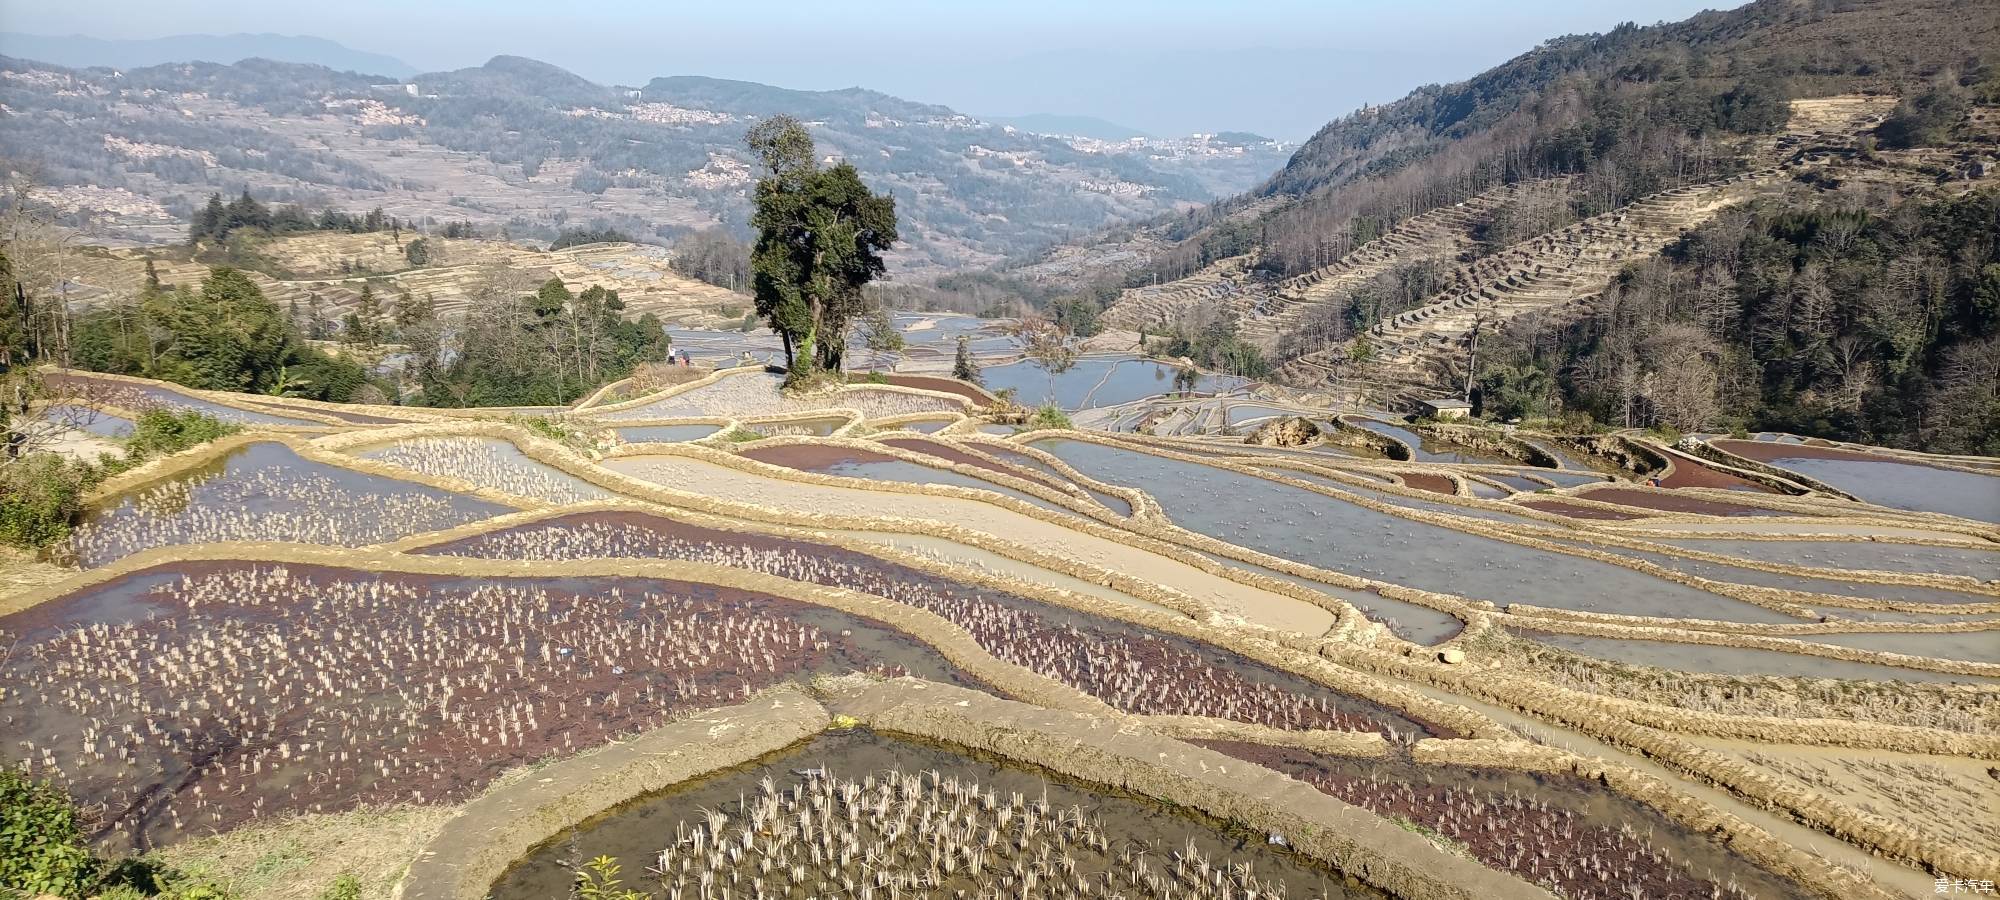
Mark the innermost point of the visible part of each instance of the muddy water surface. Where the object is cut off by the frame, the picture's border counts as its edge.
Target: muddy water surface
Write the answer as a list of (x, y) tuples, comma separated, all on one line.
[(1552, 830), (637, 832), (194, 697), (266, 492), (1739, 660)]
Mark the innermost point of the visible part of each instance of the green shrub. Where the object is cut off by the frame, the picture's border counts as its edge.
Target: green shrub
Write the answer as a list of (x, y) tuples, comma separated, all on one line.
[(345, 887), (42, 847), (40, 495), (1049, 416), (541, 425), (159, 432), (598, 880)]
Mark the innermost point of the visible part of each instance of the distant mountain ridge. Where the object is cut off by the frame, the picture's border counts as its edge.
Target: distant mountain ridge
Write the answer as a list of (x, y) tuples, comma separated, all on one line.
[(1081, 126), (529, 148), (77, 51)]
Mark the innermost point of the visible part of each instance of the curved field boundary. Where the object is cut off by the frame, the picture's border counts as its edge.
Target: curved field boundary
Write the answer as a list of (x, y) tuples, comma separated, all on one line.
[(678, 389), (1643, 728), (1751, 842), (1144, 590), (1350, 839), (220, 398), (953, 643), (1848, 733), (1553, 620), (487, 835), (300, 407), (1626, 536), (1520, 535), (1194, 623)]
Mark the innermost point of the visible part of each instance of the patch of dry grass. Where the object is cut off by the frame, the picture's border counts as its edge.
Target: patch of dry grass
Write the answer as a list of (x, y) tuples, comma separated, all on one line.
[(297, 858)]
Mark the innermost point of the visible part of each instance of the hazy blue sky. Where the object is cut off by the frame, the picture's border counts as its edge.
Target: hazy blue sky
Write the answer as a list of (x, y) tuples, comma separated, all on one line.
[(1278, 67)]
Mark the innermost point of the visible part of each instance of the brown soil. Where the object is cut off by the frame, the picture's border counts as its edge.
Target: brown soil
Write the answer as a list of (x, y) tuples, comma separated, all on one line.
[(1770, 451), (1436, 484), (933, 383), (1681, 503), (812, 457), (1688, 473), (948, 453), (1580, 512)]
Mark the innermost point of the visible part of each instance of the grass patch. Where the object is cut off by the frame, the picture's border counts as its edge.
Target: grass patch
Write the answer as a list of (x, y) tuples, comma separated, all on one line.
[(1049, 416), (41, 495)]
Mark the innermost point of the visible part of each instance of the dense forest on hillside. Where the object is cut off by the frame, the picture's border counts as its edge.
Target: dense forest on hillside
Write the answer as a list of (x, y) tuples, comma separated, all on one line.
[(1875, 325), (1631, 111)]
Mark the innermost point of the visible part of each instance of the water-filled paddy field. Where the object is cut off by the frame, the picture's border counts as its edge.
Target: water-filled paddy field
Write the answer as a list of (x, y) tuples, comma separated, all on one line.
[(288, 684), (134, 396), (489, 463), (246, 691), (1750, 661), (265, 491), (1882, 480), (664, 434), (1562, 832), (1096, 381), (1982, 563), (1331, 533), (1127, 665), (916, 819)]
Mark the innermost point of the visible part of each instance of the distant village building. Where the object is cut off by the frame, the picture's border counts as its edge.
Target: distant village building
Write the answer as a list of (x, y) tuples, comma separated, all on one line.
[(1447, 410)]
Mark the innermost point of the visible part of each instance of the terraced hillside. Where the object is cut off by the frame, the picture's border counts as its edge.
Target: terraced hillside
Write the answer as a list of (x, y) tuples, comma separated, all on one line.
[(640, 273), (1573, 265), (1266, 310), (1568, 266)]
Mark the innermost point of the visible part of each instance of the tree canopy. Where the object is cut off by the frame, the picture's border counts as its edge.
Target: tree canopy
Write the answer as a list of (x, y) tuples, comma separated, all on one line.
[(820, 237)]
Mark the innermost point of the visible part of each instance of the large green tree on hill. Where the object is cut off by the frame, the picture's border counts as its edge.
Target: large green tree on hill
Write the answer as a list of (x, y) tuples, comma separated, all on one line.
[(820, 237)]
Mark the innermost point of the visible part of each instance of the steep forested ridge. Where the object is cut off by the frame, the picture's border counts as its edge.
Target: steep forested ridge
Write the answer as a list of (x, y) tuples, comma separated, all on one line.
[(1633, 109), (1846, 155), (1876, 325)]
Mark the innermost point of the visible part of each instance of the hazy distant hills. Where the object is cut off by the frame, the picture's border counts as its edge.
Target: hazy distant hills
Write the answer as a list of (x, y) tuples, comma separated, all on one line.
[(1081, 126), (529, 148), (77, 51)]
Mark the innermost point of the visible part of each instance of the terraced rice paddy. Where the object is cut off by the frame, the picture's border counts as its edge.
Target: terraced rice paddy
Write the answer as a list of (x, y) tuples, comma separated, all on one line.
[(1096, 381), (1128, 666), (489, 463), (1424, 449), (267, 492), (743, 681), (1319, 530), (139, 396), (853, 464), (664, 434), (1749, 661), (1884, 480), (863, 815), (245, 691), (1585, 842)]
